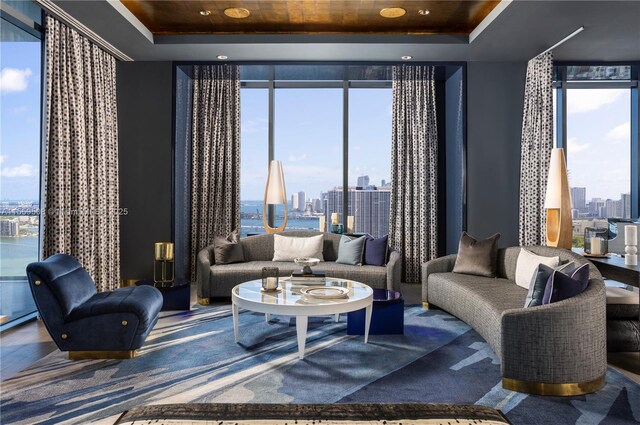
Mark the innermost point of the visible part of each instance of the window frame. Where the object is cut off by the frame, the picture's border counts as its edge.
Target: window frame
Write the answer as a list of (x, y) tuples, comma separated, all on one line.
[(561, 85)]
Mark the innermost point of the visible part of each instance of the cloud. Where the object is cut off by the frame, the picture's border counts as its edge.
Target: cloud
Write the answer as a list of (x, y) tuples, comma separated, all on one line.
[(620, 133), (293, 158), (586, 100), (23, 170), (254, 126), (3, 158), (573, 146), (14, 80)]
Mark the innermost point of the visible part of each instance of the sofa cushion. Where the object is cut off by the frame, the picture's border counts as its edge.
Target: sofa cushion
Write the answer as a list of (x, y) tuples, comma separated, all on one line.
[(144, 301), (528, 263), (376, 250), (287, 248), (622, 303), (562, 286), (351, 250), (477, 257), (227, 249), (539, 282)]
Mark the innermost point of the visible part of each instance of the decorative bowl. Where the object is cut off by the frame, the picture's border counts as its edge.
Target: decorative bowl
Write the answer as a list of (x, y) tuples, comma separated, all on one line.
[(307, 263)]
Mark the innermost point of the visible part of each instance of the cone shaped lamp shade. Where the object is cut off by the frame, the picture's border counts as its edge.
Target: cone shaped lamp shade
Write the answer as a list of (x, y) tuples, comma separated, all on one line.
[(275, 193), (557, 203)]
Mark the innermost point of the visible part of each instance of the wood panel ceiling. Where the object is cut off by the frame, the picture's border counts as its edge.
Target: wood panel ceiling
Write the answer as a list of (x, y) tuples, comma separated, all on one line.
[(174, 17)]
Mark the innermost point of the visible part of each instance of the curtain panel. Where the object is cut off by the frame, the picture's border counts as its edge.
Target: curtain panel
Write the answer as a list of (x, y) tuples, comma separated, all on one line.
[(536, 146), (215, 156), (413, 227), (81, 198)]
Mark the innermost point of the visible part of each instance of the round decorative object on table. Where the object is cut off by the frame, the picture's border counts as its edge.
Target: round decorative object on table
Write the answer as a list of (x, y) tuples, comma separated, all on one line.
[(175, 296), (306, 264)]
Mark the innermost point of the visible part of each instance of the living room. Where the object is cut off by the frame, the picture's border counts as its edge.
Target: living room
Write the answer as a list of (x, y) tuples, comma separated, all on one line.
[(339, 211)]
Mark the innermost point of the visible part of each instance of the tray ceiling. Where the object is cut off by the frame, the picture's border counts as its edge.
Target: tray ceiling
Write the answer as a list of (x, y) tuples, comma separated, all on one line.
[(174, 17)]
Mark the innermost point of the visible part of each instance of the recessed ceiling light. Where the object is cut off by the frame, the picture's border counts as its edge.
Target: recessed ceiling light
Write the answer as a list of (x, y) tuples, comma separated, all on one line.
[(222, 57), (406, 57), (237, 12), (205, 12), (424, 12), (392, 12)]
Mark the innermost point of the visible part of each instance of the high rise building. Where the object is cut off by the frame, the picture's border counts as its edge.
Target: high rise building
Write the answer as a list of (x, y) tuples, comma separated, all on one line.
[(370, 208), (302, 201), (626, 205), (579, 198), (10, 228), (294, 201), (316, 205), (612, 209), (595, 207), (383, 182), (363, 181)]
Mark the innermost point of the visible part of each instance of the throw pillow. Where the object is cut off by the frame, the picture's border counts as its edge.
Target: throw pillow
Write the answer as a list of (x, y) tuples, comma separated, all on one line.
[(375, 250), (288, 248), (527, 264), (477, 257), (561, 286), (539, 282), (227, 250), (350, 250)]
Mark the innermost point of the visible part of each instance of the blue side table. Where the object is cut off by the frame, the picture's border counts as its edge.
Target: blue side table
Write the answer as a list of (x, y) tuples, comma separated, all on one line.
[(176, 296), (387, 317)]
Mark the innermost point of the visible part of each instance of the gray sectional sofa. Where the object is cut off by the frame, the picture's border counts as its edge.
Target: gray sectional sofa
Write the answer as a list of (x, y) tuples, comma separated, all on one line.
[(554, 349), (217, 280)]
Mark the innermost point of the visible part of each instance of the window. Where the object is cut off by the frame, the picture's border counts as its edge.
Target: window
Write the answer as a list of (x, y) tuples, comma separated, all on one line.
[(369, 160), (309, 123), (20, 62), (599, 146)]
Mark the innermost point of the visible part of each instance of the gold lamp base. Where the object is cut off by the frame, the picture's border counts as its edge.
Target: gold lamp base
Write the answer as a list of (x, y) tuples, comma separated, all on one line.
[(102, 355), (558, 390)]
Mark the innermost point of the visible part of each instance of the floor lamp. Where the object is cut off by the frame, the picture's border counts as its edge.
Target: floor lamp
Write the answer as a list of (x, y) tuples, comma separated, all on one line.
[(557, 203), (275, 193)]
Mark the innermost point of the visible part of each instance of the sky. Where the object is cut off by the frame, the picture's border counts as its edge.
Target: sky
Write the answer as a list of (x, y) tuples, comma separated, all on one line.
[(599, 141), (19, 120), (308, 138)]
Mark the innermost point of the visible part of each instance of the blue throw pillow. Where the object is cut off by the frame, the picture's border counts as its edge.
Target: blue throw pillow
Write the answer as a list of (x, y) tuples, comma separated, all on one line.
[(539, 282), (561, 286), (350, 250), (375, 250)]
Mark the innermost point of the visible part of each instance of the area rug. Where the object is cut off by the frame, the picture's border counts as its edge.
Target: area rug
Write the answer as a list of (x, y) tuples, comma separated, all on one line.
[(191, 357), (309, 414)]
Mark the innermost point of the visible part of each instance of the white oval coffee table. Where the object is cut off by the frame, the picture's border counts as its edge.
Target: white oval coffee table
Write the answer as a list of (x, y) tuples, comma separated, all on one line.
[(290, 302)]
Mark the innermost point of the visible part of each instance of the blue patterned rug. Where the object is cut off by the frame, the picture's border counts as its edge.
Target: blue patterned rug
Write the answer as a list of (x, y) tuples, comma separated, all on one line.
[(190, 357)]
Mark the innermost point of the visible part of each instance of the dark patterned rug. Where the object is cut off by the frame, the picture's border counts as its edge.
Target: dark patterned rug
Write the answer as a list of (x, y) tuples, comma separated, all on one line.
[(308, 414), (191, 357)]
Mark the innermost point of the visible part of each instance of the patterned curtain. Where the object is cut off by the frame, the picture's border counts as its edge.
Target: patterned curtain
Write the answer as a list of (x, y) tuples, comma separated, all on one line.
[(536, 145), (413, 226), (215, 155), (81, 160)]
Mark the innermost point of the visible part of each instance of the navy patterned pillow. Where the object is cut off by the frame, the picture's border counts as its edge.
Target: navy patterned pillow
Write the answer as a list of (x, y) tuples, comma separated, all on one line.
[(561, 286)]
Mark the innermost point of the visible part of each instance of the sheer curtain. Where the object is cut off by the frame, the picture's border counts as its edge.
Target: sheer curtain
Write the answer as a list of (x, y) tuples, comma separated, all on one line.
[(536, 146), (215, 156), (81, 195), (413, 227)]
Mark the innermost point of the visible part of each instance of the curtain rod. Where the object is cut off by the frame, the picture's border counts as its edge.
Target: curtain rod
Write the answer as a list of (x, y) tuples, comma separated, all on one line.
[(573, 34), (62, 15)]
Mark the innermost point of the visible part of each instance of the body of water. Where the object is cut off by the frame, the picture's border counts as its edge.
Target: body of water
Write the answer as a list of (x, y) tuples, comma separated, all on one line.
[(16, 253), (251, 220)]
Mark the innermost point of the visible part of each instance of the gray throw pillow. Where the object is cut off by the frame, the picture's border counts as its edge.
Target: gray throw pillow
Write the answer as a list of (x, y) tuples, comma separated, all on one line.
[(539, 282), (350, 250), (477, 257), (228, 250)]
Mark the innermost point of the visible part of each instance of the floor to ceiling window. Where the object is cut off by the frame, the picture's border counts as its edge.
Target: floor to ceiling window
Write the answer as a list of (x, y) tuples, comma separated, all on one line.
[(599, 145), (20, 113)]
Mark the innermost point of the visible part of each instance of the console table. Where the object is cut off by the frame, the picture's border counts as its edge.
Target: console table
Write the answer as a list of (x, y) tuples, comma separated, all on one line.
[(614, 268)]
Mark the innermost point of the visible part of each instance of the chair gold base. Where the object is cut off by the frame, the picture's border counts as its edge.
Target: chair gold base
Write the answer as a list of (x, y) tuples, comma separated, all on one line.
[(559, 390), (100, 355), (203, 301)]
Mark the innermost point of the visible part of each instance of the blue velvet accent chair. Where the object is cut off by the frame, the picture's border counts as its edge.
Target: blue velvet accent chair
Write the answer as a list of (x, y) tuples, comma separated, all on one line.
[(84, 322)]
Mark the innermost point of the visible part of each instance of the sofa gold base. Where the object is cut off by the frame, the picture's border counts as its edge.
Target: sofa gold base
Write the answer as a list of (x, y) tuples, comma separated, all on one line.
[(560, 390), (100, 355), (203, 301), (425, 305)]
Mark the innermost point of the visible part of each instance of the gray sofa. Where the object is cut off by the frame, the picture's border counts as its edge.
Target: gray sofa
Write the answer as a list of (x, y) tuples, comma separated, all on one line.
[(217, 280), (554, 349)]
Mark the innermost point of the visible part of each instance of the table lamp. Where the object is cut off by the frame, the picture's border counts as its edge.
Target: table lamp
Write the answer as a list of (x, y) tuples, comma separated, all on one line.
[(559, 232)]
